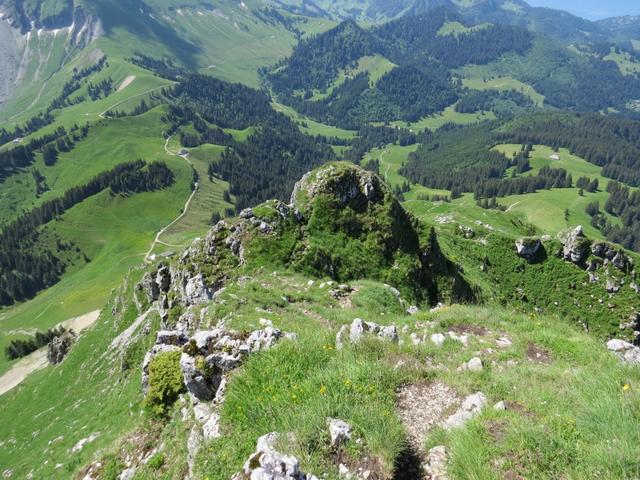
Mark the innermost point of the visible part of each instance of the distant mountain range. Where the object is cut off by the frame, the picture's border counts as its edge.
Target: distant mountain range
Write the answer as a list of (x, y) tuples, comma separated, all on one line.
[(560, 24)]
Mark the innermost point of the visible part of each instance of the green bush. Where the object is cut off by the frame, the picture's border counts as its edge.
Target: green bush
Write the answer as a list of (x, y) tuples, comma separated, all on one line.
[(165, 382), (156, 462)]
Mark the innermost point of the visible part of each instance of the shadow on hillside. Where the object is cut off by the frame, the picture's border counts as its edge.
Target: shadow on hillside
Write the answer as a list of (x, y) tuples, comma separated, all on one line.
[(136, 17), (408, 465)]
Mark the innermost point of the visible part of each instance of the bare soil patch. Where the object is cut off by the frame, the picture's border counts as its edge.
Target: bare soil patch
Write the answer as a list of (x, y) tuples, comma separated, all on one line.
[(538, 354)]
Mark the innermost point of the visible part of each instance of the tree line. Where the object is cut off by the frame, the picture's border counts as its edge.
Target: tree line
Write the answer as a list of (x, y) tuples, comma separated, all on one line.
[(624, 204), (23, 347)]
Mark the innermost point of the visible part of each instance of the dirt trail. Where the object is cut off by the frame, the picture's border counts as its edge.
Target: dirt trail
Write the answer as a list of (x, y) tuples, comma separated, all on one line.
[(157, 240), (38, 359)]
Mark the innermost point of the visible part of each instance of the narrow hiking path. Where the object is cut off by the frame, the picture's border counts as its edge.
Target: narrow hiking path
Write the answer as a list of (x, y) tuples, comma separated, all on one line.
[(512, 206), (38, 359), (157, 240)]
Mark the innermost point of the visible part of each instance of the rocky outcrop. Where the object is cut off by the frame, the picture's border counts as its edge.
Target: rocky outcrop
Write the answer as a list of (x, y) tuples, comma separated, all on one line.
[(359, 328), (528, 248), (612, 254), (345, 184), (267, 463), (59, 347), (576, 247), (625, 351)]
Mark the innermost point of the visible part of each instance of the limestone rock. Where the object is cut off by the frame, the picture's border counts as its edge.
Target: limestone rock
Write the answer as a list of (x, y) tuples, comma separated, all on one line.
[(576, 247), (438, 339), (500, 406), (471, 407), (340, 432), (528, 248), (198, 382), (267, 463), (474, 365), (437, 463), (627, 352), (196, 292)]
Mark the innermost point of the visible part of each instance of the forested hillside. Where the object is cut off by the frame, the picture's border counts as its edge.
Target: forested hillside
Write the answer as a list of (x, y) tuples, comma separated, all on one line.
[(324, 80)]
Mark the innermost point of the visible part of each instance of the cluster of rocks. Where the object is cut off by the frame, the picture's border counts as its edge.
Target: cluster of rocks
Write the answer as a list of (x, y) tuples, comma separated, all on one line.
[(359, 328), (188, 289), (466, 232), (208, 355), (60, 346), (578, 249), (267, 463), (438, 339), (627, 352), (184, 282)]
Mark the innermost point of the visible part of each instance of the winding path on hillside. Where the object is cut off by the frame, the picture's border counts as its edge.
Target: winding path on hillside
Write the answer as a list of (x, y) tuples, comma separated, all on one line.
[(157, 240)]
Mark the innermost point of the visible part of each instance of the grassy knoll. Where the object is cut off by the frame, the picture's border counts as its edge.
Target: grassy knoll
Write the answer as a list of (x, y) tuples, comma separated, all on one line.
[(627, 64), (391, 158), (109, 143), (312, 127), (448, 115), (456, 28), (475, 81), (375, 65), (546, 209)]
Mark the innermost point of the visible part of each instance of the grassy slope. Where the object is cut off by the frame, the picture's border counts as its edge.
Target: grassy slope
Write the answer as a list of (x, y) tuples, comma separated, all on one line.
[(114, 232), (375, 65), (563, 418), (448, 115), (474, 78), (207, 200), (546, 209)]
